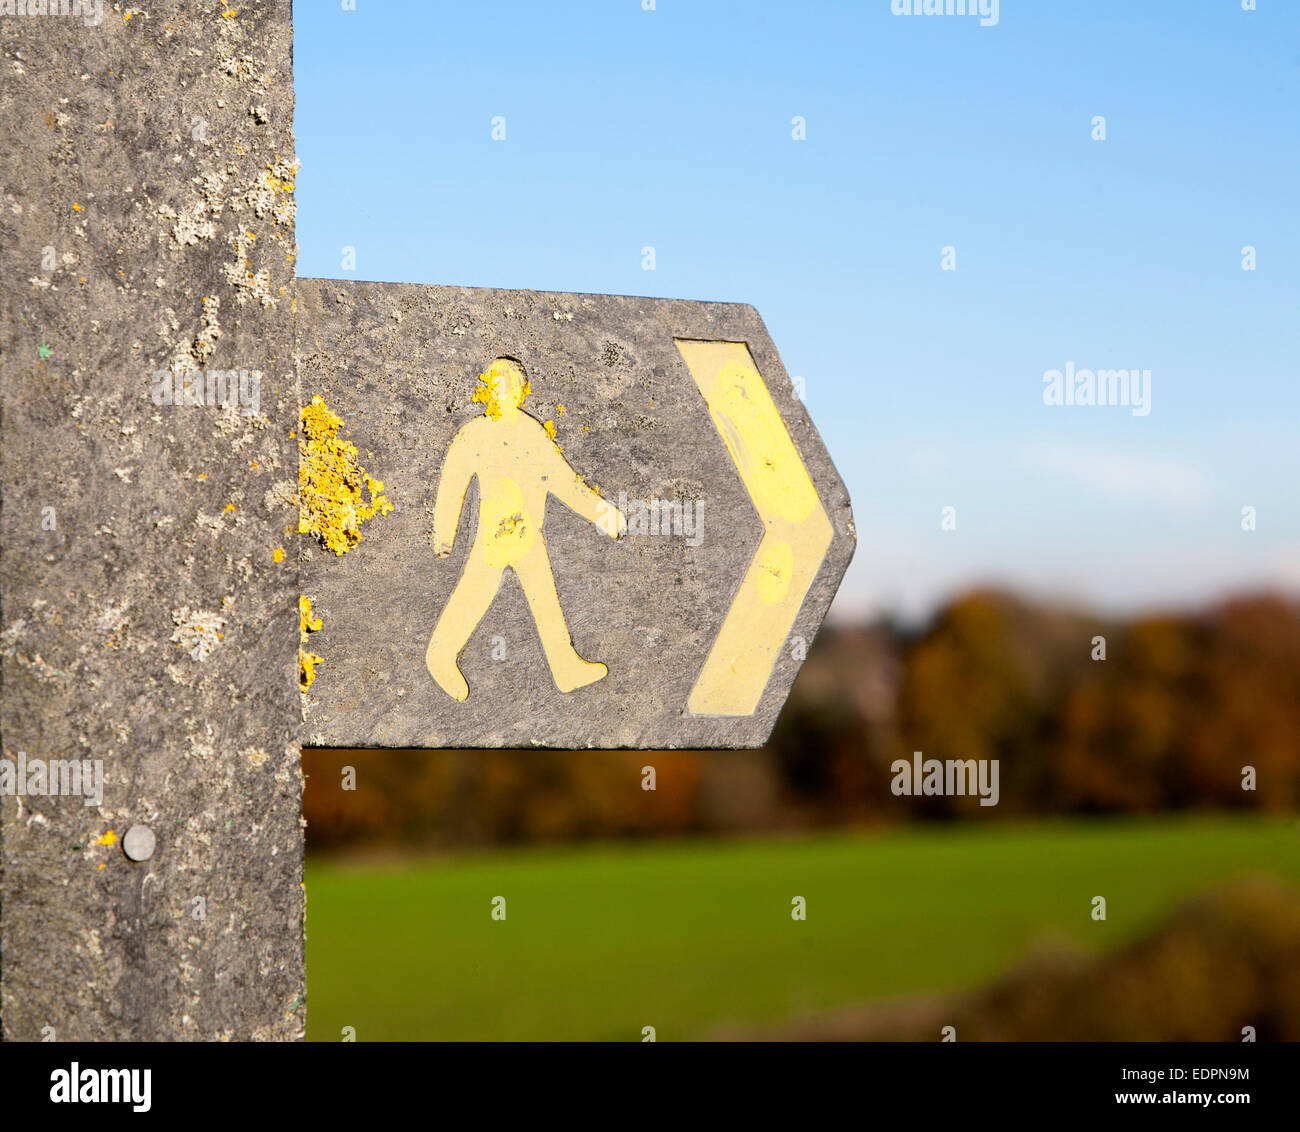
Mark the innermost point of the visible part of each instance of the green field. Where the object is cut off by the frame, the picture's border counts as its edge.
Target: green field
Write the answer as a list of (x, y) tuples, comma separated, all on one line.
[(689, 937)]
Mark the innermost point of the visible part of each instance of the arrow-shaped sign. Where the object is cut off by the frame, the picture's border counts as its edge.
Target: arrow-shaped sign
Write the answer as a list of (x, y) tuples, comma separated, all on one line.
[(571, 558)]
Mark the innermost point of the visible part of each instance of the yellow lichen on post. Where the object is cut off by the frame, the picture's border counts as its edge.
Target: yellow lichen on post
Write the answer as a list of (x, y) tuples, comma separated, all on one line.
[(307, 661), (330, 482)]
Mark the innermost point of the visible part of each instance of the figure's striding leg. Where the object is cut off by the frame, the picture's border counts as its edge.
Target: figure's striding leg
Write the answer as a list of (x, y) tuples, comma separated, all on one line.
[(473, 594), (568, 669)]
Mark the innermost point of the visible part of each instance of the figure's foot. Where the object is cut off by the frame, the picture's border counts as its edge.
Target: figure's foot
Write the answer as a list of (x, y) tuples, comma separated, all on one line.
[(447, 674), (578, 673)]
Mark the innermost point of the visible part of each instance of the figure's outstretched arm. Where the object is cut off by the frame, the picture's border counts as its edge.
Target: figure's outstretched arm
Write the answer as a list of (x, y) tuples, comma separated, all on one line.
[(570, 489), (453, 485)]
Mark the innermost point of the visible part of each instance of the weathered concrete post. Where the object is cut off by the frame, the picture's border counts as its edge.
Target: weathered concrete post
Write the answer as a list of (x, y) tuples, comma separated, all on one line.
[(150, 623)]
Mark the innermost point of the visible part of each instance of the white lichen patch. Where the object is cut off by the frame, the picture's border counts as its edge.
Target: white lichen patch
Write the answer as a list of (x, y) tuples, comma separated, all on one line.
[(12, 635), (280, 495), (198, 632), (238, 67), (200, 749), (239, 273), (190, 225), (205, 342), (111, 618), (257, 196)]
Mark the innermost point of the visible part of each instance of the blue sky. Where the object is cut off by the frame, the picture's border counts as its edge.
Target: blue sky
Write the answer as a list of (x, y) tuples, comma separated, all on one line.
[(672, 128)]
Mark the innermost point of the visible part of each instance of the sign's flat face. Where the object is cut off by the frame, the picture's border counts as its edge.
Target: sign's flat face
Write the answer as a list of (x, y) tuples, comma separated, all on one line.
[(613, 523)]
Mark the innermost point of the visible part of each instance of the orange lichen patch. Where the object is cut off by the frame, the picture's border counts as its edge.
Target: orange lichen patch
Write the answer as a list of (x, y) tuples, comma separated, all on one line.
[(306, 623), (331, 505), (110, 838), (277, 555), (307, 661), (76, 207), (496, 384), (227, 507), (280, 175)]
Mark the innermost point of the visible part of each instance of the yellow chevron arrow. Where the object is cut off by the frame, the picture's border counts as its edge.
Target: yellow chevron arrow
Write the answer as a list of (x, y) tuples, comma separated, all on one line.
[(797, 530)]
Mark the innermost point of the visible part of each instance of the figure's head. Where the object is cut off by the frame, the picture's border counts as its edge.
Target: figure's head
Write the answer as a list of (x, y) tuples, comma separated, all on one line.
[(502, 388)]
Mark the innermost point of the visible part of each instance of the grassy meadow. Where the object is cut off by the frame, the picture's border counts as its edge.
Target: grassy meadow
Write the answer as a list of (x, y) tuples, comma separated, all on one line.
[(697, 937)]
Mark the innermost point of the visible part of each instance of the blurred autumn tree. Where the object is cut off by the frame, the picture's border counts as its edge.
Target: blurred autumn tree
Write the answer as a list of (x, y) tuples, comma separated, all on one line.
[(1168, 720)]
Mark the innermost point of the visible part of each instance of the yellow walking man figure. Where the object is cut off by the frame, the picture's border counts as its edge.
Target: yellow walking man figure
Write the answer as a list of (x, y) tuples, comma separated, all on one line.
[(518, 465)]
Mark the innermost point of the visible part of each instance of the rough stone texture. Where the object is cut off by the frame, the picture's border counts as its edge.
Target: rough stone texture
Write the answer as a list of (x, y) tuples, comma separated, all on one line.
[(399, 362), (139, 151)]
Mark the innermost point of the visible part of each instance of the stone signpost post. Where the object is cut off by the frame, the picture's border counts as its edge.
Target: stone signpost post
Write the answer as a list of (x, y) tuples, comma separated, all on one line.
[(244, 512)]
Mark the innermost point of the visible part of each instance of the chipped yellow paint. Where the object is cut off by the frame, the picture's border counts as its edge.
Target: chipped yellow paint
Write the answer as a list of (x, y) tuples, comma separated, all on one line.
[(307, 661), (110, 838), (277, 555), (518, 466), (797, 531), (330, 481)]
